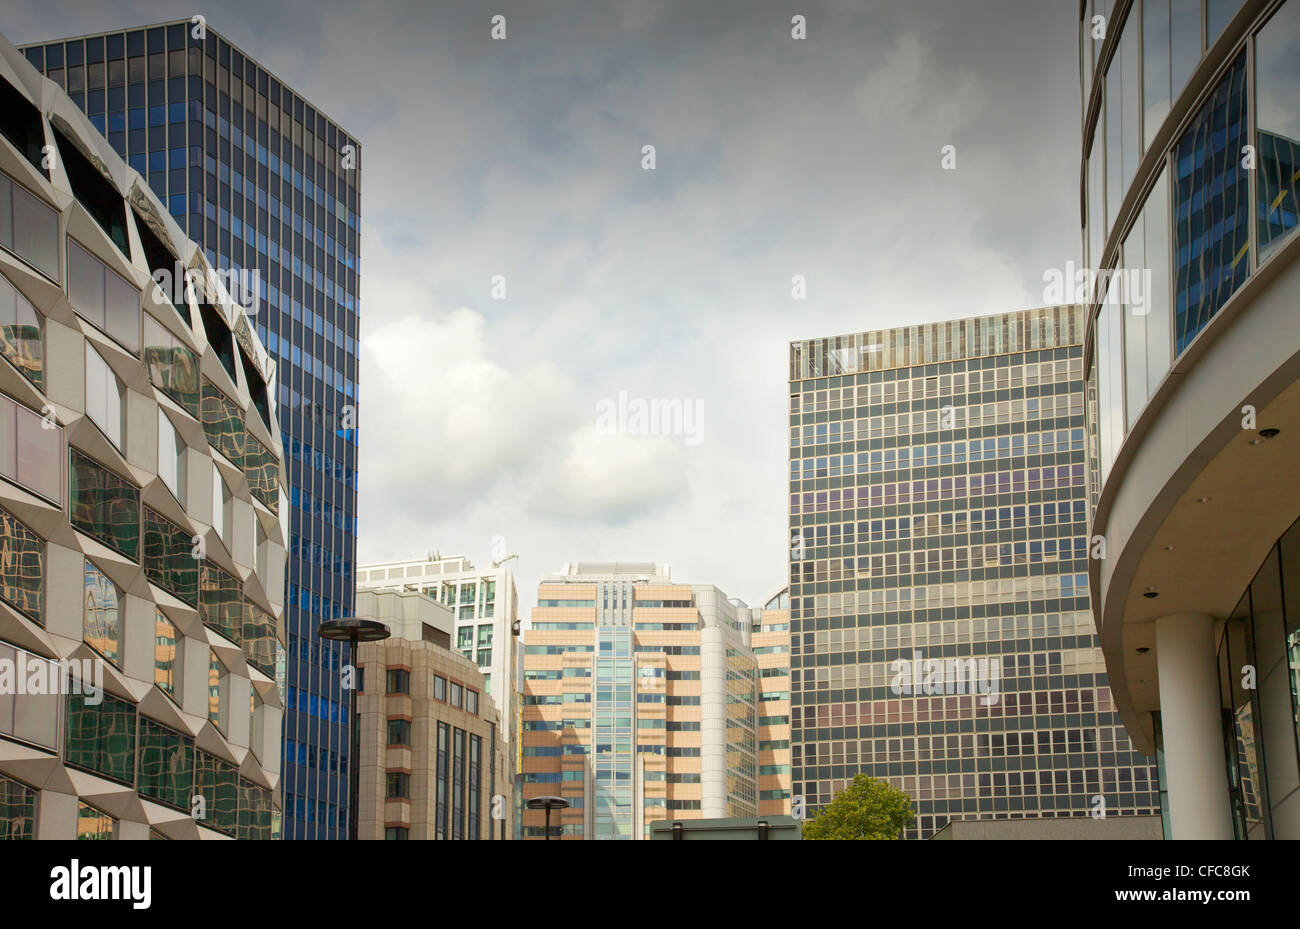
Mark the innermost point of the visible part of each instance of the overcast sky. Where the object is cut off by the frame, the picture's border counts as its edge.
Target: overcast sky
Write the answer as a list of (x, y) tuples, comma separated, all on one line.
[(774, 158)]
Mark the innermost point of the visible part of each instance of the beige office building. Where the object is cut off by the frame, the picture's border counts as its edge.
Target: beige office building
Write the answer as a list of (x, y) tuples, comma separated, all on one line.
[(642, 702), (433, 753)]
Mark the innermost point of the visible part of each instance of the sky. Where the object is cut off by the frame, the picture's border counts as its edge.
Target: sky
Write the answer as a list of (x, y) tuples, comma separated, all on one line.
[(521, 268)]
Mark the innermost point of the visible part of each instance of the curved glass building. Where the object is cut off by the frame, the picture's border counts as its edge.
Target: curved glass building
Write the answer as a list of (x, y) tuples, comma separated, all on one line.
[(1188, 193)]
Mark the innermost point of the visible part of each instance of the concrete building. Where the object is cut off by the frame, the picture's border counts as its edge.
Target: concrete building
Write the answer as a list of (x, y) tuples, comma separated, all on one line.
[(434, 759), (267, 185), (485, 606), (640, 702), (1068, 829), (1189, 177), (940, 633), (143, 509)]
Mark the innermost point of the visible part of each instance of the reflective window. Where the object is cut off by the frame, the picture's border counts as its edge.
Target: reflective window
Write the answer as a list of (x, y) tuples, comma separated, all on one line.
[(1218, 13), (103, 296), (1241, 724), (216, 675), (259, 639), (1184, 42), (218, 782), (1277, 88), (166, 773), (105, 396), (27, 716), (223, 423), (171, 457), (168, 557), (17, 810), (101, 738), (166, 654), (263, 473), (1096, 198), (1110, 381), (399, 681), (20, 333), (1114, 112), (1146, 292), (1211, 209), (1131, 96), (399, 732), (1156, 90), (31, 450), (254, 814), (101, 617), (94, 824), (173, 368), (104, 506), (221, 601), (29, 227)]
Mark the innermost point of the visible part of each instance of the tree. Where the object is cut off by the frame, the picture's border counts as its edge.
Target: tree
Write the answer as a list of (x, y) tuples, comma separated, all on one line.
[(866, 809)]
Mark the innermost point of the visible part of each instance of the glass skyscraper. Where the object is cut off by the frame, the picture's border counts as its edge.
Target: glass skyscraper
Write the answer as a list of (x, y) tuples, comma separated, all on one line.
[(264, 182), (940, 629)]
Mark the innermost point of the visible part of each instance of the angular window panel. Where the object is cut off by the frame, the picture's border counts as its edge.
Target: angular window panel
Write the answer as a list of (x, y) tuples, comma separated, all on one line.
[(104, 506), (216, 680), (29, 227), (218, 784), (105, 396), (94, 192), (173, 368), (1218, 13), (166, 654), (259, 639), (254, 817), (94, 824), (17, 810), (263, 473), (223, 424), (171, 457), (104, 297), (31, 453), (168, 557), (101, 738), (20, 333), (1277, 83), (1211, 208), (221, 602), (166, 772), (22, 568), (101, 615)]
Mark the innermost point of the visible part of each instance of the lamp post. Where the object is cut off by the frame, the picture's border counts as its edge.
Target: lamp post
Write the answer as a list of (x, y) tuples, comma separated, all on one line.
[(548, 804), (353, 631)]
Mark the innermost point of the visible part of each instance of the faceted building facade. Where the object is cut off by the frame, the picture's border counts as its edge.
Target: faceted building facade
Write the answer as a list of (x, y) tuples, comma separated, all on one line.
[(940, 633), (640, 702), (267, 184), (433, 754), (1189, 178), (143, 512)]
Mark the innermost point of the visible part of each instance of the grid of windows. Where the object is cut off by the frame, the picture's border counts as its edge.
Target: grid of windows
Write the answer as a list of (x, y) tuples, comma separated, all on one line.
[(977, 552)]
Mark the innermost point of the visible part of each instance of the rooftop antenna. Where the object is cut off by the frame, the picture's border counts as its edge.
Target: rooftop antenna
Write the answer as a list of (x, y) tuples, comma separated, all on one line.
[(497, 564)]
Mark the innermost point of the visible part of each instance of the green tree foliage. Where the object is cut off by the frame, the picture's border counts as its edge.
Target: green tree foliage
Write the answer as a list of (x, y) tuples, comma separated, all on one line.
[(866, 809)]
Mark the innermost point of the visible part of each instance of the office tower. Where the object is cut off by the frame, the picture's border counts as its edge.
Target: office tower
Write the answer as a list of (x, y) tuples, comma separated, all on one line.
[(640, 702), (1190, 177), (770, 640), (485, 605), (266, 184), (940, 634), (142, 502), (433, 754)]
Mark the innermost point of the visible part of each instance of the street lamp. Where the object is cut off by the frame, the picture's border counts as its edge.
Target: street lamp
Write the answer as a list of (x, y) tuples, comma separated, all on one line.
[(548, 804), (353, 631)]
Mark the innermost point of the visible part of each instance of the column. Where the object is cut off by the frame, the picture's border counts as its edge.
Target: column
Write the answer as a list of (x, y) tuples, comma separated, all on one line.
[(1195, 767)]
